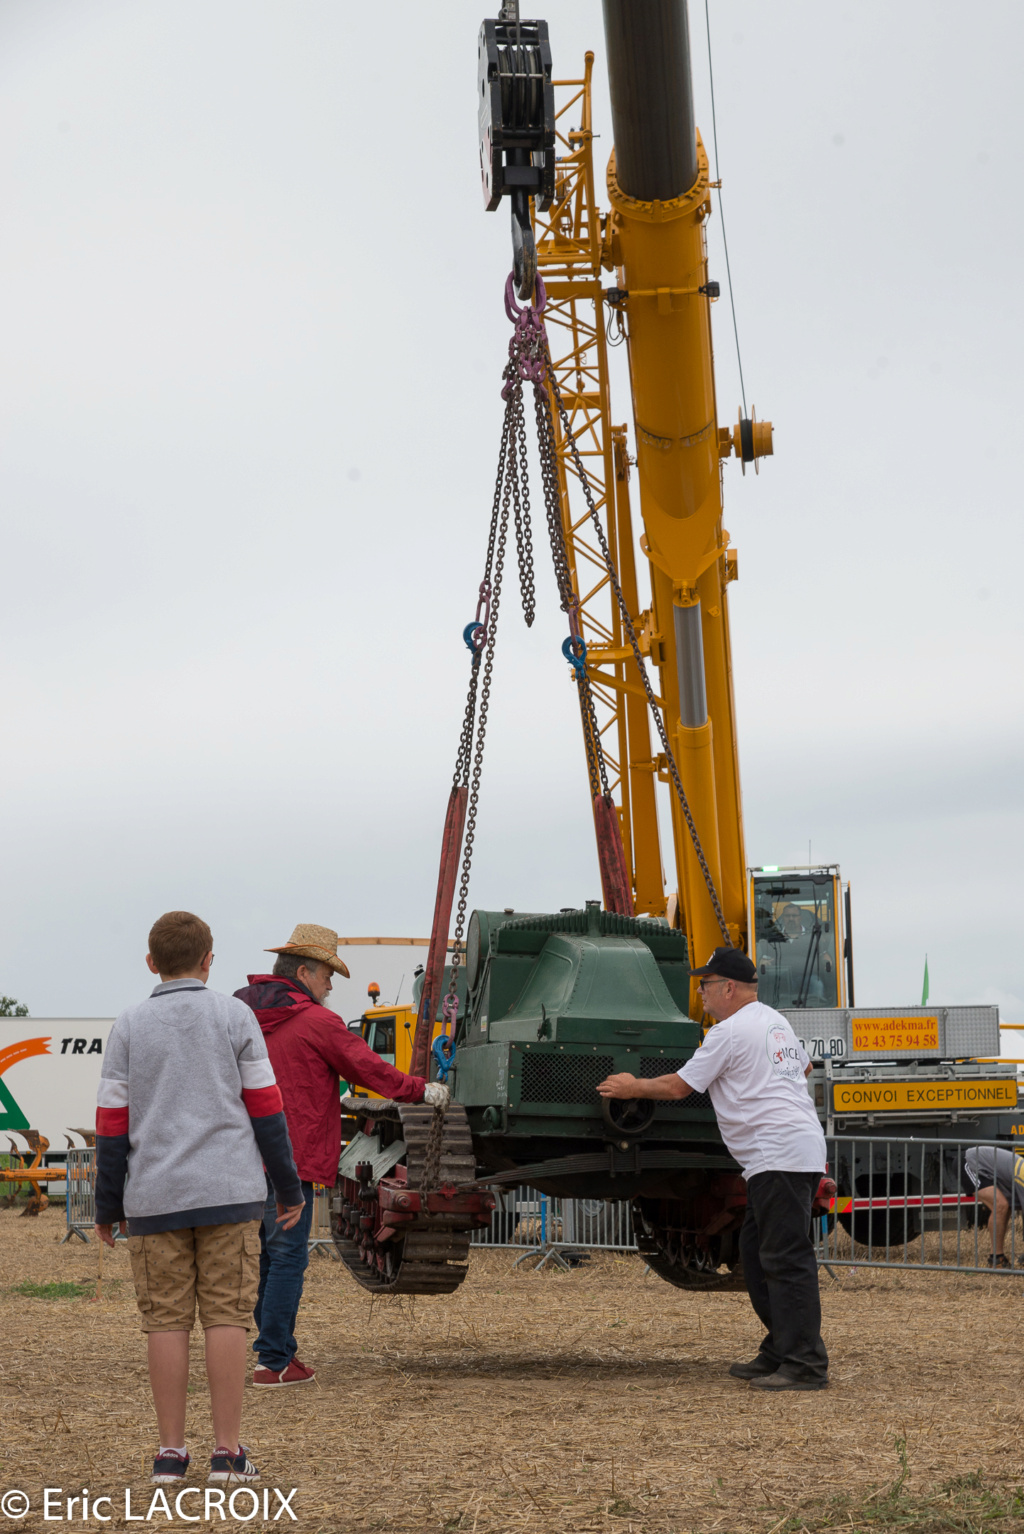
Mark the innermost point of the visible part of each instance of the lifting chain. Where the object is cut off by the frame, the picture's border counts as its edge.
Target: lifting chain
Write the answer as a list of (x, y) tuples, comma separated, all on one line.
[(432, 1154), (575, 648), (511, 502), (530, 362)]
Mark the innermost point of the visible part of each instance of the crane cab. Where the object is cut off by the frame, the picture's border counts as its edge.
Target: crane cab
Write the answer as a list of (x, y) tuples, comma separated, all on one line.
[(389, 1033), (799, 939)]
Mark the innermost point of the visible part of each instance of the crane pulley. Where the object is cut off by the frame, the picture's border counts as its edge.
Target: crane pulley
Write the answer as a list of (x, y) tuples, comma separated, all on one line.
[(516, 107)]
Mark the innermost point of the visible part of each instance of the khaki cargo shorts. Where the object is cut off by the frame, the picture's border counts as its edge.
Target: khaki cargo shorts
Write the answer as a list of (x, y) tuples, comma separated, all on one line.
[(218, 1265)]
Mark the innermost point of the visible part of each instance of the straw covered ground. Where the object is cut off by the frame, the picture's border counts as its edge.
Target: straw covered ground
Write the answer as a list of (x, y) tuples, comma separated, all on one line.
[(590, 1401)]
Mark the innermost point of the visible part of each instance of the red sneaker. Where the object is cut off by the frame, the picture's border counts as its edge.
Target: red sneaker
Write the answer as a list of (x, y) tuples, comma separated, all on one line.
[(295, 1374)]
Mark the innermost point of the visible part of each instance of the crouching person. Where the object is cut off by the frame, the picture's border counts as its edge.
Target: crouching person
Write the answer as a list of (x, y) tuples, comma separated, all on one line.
[(311, 1050), (189, 1112), (997, 1176)]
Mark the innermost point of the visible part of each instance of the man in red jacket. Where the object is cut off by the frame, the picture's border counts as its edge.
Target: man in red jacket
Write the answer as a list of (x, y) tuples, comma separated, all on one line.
[(310, 1050)]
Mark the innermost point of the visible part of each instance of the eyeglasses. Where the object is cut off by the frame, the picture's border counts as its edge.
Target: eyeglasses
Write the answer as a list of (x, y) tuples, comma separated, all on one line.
[(709, 980)]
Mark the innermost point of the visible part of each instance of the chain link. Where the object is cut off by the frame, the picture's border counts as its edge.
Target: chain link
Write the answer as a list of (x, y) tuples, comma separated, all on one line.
[(432, 1153), (511, 502), (521, 508), (627, 623), (597, 767)]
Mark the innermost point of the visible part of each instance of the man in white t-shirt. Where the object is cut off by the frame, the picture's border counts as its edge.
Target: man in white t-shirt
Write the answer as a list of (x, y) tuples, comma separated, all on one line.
[(753, 1067)]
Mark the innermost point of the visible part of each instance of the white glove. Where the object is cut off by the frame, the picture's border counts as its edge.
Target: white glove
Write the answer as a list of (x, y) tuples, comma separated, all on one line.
[(436, 1094)]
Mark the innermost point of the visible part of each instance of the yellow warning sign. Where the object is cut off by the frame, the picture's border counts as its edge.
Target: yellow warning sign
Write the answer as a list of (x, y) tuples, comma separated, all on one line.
[(878, 1035), (892, 1096)]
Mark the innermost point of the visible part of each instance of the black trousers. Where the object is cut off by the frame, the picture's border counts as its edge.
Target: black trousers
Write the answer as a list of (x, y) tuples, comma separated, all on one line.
[(781, 1271)]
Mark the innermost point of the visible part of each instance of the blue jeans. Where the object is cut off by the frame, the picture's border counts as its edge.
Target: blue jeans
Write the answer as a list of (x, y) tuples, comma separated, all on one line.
[(284, 1257)]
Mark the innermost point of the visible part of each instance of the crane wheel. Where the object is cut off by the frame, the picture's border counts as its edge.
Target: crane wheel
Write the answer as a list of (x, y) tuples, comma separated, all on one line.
[(883, 1227), (428, 1255)]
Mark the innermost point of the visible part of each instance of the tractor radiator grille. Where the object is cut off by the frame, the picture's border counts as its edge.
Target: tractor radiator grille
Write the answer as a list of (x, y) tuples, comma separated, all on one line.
[(564, 1078), (659, 1065)]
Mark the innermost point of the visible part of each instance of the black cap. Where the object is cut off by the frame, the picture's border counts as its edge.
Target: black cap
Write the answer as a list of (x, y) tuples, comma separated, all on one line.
[(731, 964)]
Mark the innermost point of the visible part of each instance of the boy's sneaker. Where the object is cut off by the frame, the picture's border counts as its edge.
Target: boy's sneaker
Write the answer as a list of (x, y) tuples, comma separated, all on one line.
[(295, 1374), (227, 1469), (168, 1468)]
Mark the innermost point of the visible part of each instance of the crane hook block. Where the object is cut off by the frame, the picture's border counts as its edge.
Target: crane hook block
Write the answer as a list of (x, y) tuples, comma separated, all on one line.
[(516, 107)]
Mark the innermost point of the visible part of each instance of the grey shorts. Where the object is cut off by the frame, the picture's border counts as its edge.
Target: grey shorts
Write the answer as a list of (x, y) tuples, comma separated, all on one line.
[(988, 1168)]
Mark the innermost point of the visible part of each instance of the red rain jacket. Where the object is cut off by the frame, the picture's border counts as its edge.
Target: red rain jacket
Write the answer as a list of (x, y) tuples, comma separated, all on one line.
[(310, 1049)]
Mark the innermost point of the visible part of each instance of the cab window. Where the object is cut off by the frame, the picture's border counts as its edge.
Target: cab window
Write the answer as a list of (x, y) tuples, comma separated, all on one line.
[(379, 1033), (795, 941)]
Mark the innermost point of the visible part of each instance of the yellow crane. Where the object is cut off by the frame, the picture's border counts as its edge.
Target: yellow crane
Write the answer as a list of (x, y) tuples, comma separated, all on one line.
[(654, 241), (539, 1007)]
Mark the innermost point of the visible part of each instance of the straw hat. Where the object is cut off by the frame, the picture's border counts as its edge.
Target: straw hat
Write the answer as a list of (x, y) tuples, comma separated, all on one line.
[(311, 942)]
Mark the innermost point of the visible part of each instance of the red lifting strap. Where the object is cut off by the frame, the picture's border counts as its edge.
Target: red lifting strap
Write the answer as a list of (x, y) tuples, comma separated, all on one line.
[(433, 976), (611, 855)]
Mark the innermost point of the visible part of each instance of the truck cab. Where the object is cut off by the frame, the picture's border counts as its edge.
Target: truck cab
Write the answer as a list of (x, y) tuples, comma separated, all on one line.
[(390, 1031), (803, 956)]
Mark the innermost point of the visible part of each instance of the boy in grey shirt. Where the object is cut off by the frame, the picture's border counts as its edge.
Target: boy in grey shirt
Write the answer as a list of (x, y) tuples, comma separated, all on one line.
[(188, 1111)]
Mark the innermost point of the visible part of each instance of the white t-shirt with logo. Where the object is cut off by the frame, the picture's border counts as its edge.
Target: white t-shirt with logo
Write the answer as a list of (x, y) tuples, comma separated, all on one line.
[(752, 1067)]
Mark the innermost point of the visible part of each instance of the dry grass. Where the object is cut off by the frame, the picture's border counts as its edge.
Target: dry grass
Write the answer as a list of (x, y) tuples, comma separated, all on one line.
[(546, 1403)]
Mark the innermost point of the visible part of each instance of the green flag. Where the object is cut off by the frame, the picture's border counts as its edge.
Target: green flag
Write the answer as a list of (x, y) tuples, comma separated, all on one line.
[(924, 988)]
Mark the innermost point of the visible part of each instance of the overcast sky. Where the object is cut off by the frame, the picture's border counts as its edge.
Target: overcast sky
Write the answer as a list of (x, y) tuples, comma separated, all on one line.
[(251, 337)]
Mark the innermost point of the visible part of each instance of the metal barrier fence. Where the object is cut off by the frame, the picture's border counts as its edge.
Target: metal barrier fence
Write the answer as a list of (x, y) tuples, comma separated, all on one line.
[(912, 1204), (81, 1205), (320, 1240), (81, 1194), (553, 1229), (907, 1203)]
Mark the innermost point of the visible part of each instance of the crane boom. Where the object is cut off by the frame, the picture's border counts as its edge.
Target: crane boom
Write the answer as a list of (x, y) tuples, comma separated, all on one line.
[(651, 87), (659, 187), (658, 184)]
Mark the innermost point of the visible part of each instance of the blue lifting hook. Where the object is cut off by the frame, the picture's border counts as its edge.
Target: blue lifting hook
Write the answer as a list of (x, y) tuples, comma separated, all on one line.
[(576, 658), (443, 1050)]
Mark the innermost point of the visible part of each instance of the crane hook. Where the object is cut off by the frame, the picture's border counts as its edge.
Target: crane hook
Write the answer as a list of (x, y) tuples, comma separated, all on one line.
[(524, 247)]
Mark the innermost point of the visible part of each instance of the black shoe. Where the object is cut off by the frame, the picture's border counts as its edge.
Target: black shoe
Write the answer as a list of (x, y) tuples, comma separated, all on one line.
[(780, 1381), (232, 1469), (999, 1260), (757, 1366), (168, 1468)]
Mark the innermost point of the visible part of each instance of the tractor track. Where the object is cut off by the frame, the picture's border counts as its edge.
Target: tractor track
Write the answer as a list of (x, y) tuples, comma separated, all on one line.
[(431, 1255)]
